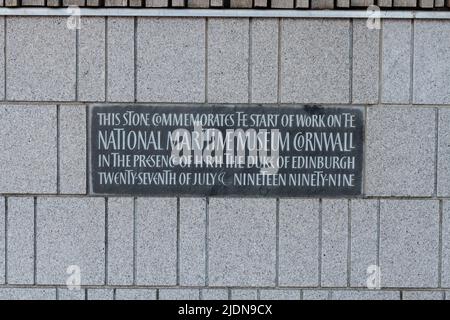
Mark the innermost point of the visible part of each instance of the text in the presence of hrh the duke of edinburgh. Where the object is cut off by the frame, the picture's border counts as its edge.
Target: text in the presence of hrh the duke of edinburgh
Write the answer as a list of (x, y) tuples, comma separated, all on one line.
[(226, 150)]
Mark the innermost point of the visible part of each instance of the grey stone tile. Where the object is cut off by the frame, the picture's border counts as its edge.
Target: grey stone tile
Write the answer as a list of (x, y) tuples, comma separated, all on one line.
[(364, 240), (284, 294), (28, 162), (443, 169), (264, 60), (400, 151), (27, 294), (409, 243), (396, 60), (156, 241), (40, 59), (334, 243), (214, 294), (179, 294), (423, 295), (70, 232), (120, 73), (100, 294), (244, 294), (228, 58), (120, 241), (299, 243), (2, 240), (91, 59), (316, 295), (20, 241), (445, 244), (242, 238), (318, 71), (365, 295), (431, 62), (2, 57), (72, 148), (75, 294), (198, 3), (447, 295), (282, 4), (365, 59), (192, 241), (135, 294), (171, 60)]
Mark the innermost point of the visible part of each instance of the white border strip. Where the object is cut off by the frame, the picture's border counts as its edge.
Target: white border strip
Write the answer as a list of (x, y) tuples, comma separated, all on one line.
[(225, 13)]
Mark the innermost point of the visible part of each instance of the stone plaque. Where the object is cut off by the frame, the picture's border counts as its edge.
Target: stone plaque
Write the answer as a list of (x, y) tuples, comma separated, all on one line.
[(226, 150)]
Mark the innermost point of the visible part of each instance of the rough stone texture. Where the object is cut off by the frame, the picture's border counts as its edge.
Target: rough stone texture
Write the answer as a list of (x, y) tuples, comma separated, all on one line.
[(334, 243), (424, 3), (264, 60), (135, 294), (445, 244), (115, 3), (244, 294), (28, 159), (299, 243), (192, 241), (157, 3), (322, 4), (241, 3), (443, 169), (409, 242), (423, 295), (92, 65), (365, 63), (20, 239), (405, 3), (40, 59), (100, 294), (316, 295), (120, 241), (396, 60), (282, 4), (304, 4), (400, 151), (318, 70), (120, 72), (2, 57), (2, 240), (76, 294), (72, 149), (198, 3), (364, 240), (365, 295), (179, 294), (214, 294), (156, 241), (228, 58), (70, 231), (242, 242), (171, 60), (27, 294), (280, 294), (431, 62)]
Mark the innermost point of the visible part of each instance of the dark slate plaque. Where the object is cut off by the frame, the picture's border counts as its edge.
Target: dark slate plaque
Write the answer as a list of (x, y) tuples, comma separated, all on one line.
[(226, 150)]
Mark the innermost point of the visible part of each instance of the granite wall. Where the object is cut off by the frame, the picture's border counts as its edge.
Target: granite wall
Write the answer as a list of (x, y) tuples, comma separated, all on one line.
[(227, 248)]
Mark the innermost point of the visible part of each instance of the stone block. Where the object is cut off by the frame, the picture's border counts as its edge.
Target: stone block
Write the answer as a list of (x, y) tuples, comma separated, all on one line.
[(400, 156), (171, 60), (242, 241), (40, 59), (318, 71), (28, 161), (228, 58)]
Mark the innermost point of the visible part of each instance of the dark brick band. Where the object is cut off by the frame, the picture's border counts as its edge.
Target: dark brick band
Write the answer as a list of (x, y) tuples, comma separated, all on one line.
[(237, 4)]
